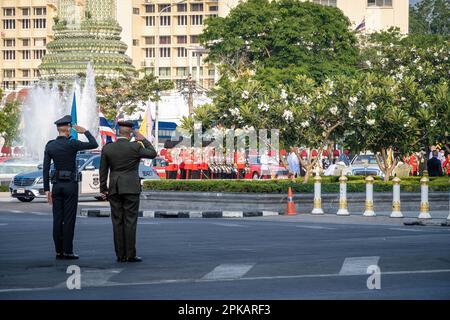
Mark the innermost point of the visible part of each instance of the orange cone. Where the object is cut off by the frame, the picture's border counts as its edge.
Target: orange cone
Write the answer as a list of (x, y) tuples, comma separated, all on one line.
[(290, 205)]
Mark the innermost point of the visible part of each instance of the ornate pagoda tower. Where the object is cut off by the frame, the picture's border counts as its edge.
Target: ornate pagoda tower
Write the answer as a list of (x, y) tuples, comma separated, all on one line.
[(85, 31)]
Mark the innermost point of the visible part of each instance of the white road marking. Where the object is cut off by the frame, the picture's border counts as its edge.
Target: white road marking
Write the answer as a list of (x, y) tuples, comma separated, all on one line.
[(3, 224), (94, 277), (229, 225), (41, 213), (148, 222), (406, 229), (229, 271), (315, 227), (191, 280), (357, 265)]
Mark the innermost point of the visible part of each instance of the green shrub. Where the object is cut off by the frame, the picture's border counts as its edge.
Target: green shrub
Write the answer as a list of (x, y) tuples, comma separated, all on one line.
[(4, 189), (329, 185)]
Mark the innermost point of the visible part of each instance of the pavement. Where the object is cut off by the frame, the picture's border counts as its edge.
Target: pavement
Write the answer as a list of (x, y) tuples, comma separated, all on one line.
[(278, 257)]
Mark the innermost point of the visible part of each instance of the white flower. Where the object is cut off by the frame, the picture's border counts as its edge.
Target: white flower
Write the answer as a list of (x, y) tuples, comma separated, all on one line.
[(235, 112), (245, 94), (436, 54), (352, 101), (329, 92), (419, 68), (433, 123), (334, 110), (350, 115), (263, 106), (370, 122), (288, 115), (305, 124), (391, 45), (423, 104), (378, 53), (402, 98), (371, 106), (369, 64), (283, 94)]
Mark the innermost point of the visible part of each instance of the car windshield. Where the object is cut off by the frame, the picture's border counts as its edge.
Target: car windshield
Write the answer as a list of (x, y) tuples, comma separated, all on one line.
[(82, 158), (365, 159)]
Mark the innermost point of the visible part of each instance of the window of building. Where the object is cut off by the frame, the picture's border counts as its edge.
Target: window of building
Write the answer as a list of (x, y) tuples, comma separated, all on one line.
[(149, 8), (9, 73), (40, 42), (39, 23), (194, 39), (182, 20), (135, 42), (149, 40), (9, 24), (36, 73), (195, 7), (331, 3), (38, 54), (213, 8), (25, 11), (149, 52), (182, 7), (26, 73), (149, 21), (212, 15), (164, 40), (182, 72), (164, 71), (25, 42), (26, 24), (211, 72), (135, 10), (9, 12), (379, 3), (40, 11), (194, 71), (164, 7), (26, 54), (196, 20), (164, 52), (9, 42), (164, 21), (182, 52), (9, 55), (181, 39)]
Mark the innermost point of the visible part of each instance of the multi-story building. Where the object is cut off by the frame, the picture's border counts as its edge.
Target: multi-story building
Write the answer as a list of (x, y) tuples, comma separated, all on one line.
[(26, 28), (161, 35)]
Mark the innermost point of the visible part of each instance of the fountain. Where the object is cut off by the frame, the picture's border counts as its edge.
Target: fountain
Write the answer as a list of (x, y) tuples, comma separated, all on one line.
[(45, 103)]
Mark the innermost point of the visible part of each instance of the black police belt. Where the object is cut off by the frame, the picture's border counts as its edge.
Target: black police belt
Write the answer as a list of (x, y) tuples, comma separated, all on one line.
[(64, 176)]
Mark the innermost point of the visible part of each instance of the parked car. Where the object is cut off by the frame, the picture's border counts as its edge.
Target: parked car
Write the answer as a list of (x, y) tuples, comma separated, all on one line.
[(363, 165), (12, 166), (254, 169), (30, 185)]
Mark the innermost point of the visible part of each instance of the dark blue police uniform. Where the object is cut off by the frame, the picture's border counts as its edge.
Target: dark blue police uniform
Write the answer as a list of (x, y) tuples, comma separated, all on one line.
[(64, 179)]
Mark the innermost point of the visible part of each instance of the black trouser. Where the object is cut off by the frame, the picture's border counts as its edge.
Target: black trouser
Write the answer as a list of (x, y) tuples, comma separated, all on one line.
[(124, 215), (171, 174), (65, 202)]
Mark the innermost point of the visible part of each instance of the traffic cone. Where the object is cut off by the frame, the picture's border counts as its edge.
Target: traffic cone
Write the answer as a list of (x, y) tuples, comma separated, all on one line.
[(290, 205)]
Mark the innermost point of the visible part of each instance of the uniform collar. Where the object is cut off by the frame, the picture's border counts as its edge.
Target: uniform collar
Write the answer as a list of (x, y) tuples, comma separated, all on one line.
[(62, 137)]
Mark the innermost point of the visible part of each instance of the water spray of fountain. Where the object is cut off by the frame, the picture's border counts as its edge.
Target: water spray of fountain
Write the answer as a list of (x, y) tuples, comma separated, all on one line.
[(44, 104)]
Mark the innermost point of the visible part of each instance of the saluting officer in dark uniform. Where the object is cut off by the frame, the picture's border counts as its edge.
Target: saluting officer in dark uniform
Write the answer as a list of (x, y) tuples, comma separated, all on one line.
[(121, 159), (64, 194)]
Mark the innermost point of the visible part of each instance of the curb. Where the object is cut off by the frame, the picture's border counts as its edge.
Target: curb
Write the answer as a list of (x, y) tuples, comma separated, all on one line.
[(103, 212)]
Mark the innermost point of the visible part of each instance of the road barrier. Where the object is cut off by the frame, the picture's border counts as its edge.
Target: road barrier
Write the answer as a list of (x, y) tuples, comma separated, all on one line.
[(369, 198), (343, 211), (424, 205), (317, 195), (396, 213)]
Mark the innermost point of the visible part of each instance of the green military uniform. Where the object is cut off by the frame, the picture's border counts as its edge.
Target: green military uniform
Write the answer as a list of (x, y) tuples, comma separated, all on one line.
[(121, 159)]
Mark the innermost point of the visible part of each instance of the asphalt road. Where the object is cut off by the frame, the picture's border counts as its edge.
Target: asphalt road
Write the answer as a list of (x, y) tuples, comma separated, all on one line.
[(252, 258)]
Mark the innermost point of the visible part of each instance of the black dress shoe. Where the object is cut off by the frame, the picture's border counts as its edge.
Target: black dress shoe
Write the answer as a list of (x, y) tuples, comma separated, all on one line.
[(135, 259), (70, 256), (59, 256), (121, 259)]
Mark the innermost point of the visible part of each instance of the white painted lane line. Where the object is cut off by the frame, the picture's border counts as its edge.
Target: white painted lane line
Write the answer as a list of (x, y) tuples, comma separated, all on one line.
[(229, 225), (148, 223), (406, 229), (229, 271), (357, 265), (316, 227), (40, 213), (3, 224), (16, 211)]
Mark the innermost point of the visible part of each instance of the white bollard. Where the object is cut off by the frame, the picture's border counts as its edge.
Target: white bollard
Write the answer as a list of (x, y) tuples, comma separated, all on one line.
[(424, 205), (343, 211), (396, 213), (369, 198), (317, 195)]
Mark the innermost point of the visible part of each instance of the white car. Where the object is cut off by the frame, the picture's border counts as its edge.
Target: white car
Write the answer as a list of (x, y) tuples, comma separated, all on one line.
[(363, 165)]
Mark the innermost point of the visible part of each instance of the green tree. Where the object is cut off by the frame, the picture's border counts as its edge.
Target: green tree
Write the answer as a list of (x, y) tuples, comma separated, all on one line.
[(9, 120), (430, 17), (126, 92), (281, 38)]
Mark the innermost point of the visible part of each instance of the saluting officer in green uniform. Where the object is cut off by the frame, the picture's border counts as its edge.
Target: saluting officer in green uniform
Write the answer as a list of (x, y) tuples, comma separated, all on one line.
[(64, 195), (121, 159)]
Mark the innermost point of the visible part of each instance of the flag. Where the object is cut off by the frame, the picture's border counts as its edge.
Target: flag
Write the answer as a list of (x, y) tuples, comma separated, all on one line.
[(146, 127), (106, 132), (73, 133), (361, 26)]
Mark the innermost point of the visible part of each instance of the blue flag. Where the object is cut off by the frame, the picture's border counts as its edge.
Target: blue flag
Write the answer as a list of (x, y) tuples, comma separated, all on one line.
[(73, 133)]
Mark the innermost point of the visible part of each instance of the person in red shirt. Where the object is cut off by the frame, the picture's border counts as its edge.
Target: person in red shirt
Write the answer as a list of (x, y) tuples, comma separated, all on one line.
[(446, 165), (414, 164)]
